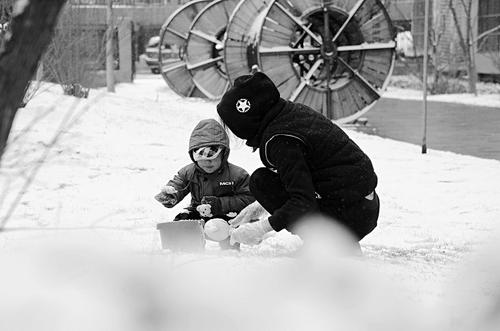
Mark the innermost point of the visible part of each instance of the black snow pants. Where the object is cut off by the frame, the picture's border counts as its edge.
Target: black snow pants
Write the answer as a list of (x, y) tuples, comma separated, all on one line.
[(360, 217)]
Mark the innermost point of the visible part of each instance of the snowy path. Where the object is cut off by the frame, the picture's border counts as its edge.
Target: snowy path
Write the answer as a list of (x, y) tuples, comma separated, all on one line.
[(113, 153)]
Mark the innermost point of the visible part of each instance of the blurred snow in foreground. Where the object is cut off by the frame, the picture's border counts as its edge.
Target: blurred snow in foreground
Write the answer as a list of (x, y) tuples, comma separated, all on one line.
[(80, 283)]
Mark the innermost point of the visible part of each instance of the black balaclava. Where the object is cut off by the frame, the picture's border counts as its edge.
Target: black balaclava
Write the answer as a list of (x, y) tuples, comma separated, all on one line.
[(243, 106)]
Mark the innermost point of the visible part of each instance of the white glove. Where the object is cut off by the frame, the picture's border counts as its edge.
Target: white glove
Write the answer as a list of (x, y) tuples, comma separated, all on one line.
[(167, 189), (253, 211), (250, 233), (205, 210)]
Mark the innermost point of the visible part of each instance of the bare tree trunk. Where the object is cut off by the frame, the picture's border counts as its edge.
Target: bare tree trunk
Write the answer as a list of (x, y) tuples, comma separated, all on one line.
[(472, 72), (466, 40), (32, 28), (110, 68)]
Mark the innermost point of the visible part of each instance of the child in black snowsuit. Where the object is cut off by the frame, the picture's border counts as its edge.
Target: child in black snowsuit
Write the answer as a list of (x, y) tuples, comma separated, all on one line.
[(219, 189), (311, 165)]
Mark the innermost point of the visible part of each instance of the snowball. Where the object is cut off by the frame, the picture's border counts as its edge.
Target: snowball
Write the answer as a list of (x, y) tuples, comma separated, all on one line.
[(217, 229)]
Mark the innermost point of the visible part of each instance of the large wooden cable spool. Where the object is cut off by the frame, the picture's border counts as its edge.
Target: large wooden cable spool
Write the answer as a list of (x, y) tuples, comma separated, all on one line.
[(334, 56), (175, 32), (246, 18), (204, 48)]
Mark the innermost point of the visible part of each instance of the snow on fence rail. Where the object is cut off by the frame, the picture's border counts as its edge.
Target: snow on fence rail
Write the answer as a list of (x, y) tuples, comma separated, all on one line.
[(124, 2)]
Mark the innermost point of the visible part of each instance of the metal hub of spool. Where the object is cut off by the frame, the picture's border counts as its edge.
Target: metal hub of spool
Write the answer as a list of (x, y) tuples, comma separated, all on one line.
[(217, 52), (305, 50)]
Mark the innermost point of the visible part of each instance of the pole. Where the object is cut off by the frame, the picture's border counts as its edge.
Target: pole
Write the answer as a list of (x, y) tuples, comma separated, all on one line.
[(329, 53), (426, 42), (110, 78)]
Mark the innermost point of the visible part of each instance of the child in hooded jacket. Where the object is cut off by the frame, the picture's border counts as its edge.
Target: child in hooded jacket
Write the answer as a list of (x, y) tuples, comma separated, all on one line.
[(219, 189)]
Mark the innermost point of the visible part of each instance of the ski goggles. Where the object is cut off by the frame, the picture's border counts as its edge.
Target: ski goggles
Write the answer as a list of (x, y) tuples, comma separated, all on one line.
[(207, 153)]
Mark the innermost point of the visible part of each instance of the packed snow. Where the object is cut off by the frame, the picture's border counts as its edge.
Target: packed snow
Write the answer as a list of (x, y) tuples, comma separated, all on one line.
[(80, 249)]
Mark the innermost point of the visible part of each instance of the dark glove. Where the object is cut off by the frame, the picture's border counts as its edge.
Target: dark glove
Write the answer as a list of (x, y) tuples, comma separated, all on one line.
[(215, 204), (167, 200)]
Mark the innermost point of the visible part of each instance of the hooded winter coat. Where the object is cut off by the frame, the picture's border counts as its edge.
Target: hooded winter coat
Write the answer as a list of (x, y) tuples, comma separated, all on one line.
[(229, 183), (319, 166)]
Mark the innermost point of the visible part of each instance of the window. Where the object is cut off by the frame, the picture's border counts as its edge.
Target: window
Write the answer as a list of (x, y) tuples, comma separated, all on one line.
[(488, 18)]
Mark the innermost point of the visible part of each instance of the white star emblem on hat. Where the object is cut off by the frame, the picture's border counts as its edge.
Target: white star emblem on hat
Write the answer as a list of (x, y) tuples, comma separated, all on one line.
[(243, 105)]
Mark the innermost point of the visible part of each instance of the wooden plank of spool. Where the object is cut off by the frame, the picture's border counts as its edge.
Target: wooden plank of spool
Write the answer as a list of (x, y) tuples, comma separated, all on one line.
[(174, 32)]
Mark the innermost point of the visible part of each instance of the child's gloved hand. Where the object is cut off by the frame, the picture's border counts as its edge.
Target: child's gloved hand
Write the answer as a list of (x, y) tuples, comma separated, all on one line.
[(214, 202), (167, 189), (250, 233), (167, 200)]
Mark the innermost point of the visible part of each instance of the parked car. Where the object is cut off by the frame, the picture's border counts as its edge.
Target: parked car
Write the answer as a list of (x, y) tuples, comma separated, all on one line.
[(168, 53)]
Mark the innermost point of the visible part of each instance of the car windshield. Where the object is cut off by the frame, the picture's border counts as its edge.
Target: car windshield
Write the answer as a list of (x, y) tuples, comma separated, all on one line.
[(154, 41)]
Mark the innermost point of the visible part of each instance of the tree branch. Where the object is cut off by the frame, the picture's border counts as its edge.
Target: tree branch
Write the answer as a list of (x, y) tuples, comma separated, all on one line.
[(487, 32), (31, 30), (463, 44)]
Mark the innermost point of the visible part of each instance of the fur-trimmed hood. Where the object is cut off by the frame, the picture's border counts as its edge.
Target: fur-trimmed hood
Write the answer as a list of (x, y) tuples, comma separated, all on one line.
[(206, 133)]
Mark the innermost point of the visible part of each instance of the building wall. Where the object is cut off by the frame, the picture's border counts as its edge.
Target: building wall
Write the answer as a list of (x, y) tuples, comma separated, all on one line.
[(147, 16), (442, 26), (400, 11)]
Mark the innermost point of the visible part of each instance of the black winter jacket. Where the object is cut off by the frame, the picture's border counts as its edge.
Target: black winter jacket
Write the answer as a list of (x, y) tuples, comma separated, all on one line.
[(313, 157)]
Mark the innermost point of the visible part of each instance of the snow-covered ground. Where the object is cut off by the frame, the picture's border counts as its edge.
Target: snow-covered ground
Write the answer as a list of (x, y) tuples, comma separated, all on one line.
[(487, 100), (80, 249)]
